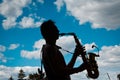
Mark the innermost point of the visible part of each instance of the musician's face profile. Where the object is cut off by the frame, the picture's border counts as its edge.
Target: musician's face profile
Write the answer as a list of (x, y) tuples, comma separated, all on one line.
[(55, 33)]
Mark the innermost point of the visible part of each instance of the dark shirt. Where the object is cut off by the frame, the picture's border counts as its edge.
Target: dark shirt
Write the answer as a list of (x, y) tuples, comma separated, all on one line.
[(54, 63)]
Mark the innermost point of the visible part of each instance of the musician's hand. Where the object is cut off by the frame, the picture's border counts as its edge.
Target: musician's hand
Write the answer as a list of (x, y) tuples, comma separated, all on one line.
[(78, 50)]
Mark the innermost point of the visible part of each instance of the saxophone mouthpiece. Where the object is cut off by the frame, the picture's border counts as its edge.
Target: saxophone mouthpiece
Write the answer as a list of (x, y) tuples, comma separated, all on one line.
[(62, 34)]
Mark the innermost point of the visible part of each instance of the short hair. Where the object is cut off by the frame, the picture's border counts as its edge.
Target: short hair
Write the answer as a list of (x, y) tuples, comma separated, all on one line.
[(47, 28)]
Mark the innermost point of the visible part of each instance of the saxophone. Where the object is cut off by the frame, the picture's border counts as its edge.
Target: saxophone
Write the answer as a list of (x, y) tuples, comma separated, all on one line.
[(92, 67)]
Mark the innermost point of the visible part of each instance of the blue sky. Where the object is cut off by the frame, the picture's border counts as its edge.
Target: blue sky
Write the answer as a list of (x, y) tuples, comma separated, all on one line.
[(94, 22)]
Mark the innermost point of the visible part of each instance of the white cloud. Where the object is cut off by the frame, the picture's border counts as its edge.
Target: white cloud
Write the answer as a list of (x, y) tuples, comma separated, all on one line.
[(36, 52), (2, 58), (30, 54), (109, 62), (101, 13), (13, 46), (29, 22), (6, 72), (41, 1), (110, 57), (38, 44), (59, 4), (11, 10), (67, 43), (9, 23), (2, 48)]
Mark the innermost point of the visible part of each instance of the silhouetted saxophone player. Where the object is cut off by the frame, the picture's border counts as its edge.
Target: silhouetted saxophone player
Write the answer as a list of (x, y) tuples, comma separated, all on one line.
[(88, 58), (53, 60)]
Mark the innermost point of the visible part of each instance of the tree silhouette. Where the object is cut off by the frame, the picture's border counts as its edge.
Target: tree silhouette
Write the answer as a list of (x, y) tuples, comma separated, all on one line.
[(118, 76), (34, 76), (30, 76), (38, 76), (21, 75), (10, 78)]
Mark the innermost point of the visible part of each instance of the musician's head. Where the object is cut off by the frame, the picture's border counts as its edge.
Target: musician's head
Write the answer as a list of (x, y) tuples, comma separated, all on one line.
[(49, 30)]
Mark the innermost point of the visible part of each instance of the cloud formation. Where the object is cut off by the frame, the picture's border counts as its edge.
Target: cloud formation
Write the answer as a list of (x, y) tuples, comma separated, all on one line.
[(41, 1), (13, 46), (29, 22), (30, 54), (101, 13), (59, 4), (2, 48), (110, 57), (11, 10), (67, 43), (2, 58), (35, 54)]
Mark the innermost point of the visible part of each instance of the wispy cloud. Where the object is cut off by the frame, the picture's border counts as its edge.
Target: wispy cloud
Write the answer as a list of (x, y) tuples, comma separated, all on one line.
[(59, 4), (2, 58), (13, 46), (2, 48), (41, 1)]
